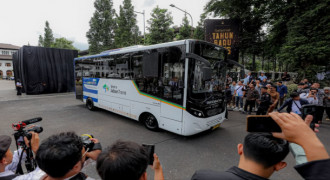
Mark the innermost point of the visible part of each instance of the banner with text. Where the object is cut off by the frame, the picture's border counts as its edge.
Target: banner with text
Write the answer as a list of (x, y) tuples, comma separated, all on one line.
[(223, 32)]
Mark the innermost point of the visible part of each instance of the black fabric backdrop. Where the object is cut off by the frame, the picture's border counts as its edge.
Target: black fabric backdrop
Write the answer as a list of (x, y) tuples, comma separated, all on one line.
[(44, 70)]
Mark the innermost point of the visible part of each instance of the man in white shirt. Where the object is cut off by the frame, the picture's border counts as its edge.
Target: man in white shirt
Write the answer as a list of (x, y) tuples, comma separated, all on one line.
[(262, 76), (9, 160), (239, 94), (311, 96)]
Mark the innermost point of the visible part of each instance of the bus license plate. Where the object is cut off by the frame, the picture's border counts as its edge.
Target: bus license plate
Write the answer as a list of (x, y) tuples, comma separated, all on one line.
[(216, 126)]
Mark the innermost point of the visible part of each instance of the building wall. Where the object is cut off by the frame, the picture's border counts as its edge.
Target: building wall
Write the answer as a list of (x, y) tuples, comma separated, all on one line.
[(6, 65), (7, 51)]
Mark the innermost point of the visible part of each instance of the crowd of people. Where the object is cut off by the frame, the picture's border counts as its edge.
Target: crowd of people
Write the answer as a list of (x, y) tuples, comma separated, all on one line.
[(62, 156), (265, 96)]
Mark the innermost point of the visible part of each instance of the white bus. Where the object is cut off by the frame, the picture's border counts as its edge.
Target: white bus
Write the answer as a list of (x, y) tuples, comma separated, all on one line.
[(176, 86)]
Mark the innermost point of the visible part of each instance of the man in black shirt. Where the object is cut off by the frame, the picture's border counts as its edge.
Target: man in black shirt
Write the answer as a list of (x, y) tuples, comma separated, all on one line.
[(261, 155), (264, 102)]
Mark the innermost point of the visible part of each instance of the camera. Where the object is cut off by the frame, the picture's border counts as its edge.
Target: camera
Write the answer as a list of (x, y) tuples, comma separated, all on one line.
[(87, 142), (30, 163), (21, 132)]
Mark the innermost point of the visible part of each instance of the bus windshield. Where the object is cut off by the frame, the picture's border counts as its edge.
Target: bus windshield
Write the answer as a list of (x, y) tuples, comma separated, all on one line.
[(208, 76)]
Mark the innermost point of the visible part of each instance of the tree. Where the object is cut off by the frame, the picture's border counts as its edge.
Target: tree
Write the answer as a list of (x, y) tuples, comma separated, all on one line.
[(41, 41), (199, 32), (307, 42), (48, 36), (63, 43), (127, 30), (185, 29), (159, 26), (102, 25)]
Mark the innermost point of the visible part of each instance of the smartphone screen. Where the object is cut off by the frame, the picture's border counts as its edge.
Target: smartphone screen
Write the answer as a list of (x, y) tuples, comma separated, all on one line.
[(261, 123), (150, 149)]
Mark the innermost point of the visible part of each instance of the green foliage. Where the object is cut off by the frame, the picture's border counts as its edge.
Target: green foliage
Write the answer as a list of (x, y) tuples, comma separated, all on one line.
[(308, 38), (185, 31), (102, 26), (127, 32), (63, 43), (159, 26), (48, 36), (199, 32)]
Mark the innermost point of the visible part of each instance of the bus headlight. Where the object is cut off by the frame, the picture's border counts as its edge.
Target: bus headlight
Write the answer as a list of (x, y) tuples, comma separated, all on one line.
[(197, 113)]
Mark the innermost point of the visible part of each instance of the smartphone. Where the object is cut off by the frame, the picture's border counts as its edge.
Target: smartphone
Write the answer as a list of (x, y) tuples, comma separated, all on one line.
[(261, 123), (150, 149)]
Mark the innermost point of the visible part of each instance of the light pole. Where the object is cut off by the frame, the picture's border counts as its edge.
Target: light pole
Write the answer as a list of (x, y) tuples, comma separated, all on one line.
[(144, 24), (192, 25)]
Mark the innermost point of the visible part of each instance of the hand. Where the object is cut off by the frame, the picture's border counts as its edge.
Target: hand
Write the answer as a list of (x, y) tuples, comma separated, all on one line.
[(308, 121), (34, 142), (95, 153), (295, 130), (157, 168), (156, 165)]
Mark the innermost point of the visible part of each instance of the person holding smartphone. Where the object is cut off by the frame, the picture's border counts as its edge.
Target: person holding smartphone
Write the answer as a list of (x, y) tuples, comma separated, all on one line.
[(311, 96), (295, 130)]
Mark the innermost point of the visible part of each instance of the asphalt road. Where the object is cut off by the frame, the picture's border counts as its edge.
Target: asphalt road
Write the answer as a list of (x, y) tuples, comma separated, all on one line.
[(180, 156)]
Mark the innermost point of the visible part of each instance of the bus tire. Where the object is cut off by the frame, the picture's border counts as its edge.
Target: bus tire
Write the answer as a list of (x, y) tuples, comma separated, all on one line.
[(150, 122), (90, 104)]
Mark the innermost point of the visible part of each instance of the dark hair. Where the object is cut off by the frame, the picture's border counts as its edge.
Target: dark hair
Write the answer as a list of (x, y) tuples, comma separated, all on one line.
[(58, 154), (123, 160), (274, 86), (294, 94), (314, 89), (265, 149), (280, 82), (264, 87)]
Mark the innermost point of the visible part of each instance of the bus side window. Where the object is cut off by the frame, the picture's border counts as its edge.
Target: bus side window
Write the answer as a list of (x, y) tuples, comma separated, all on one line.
[(172, 76), (137, 67), (122, 69)]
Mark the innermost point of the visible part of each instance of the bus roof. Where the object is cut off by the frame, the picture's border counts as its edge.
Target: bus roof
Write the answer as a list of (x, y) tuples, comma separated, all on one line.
[(136, 48)]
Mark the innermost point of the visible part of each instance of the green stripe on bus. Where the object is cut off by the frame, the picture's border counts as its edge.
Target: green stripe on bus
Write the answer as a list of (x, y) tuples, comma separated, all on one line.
[(156, 97)]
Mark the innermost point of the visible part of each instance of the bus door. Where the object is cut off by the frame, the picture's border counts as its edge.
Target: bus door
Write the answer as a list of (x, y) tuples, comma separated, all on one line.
[(172, 75)]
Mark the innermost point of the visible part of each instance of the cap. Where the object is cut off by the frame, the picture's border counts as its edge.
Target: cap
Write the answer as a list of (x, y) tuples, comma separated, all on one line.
[(300, 84), (5, 142)]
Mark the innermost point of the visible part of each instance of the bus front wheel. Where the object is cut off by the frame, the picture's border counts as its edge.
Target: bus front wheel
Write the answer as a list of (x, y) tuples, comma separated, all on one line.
[(150, 122), (90, 104)]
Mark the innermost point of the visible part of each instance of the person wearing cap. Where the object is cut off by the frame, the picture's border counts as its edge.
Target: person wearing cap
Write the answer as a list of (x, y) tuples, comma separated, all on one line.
[(9, 160)]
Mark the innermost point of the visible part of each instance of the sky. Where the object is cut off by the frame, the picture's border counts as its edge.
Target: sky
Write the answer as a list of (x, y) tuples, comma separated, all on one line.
[(22, 21)]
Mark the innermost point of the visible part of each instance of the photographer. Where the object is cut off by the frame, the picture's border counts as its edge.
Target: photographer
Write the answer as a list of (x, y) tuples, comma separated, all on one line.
[(126, 160), (60, 157), (9, 160), (311, 97)]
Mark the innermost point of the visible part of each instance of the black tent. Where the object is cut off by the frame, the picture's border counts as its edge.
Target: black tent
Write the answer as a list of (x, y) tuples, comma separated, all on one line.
[(44, 70)]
